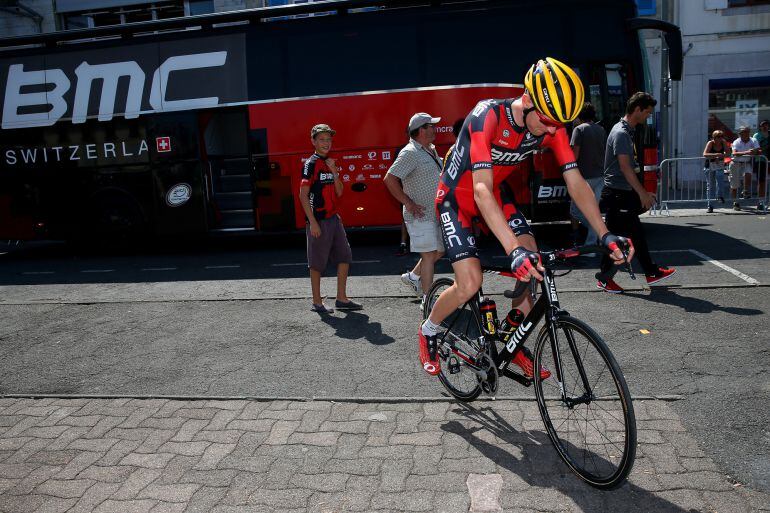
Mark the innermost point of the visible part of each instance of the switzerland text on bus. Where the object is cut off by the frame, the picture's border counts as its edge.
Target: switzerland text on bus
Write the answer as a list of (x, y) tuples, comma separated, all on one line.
[(200, 124)]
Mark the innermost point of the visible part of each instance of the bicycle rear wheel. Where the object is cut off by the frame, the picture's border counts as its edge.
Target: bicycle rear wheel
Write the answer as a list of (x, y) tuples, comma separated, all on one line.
[(457, 345), (595, 434)]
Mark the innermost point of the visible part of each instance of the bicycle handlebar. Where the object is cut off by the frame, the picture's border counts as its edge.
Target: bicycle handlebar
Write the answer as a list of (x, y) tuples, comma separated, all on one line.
[(518, 290), (550, 258)]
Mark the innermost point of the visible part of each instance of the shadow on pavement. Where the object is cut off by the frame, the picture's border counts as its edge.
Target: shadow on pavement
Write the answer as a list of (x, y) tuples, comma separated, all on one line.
[(690, 304), (284, 256), (356, 325), (540, 466)]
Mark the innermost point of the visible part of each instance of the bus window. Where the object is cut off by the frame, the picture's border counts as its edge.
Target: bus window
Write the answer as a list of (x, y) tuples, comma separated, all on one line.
[(617, 91), (608, 92)]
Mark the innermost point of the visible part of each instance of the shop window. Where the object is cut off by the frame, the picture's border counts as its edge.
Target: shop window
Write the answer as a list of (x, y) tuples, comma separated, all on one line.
[(738, 102), (201, 7), (158, 10)]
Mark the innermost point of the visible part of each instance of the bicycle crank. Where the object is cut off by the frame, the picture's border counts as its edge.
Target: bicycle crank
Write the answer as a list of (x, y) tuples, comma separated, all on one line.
[(487, 374)]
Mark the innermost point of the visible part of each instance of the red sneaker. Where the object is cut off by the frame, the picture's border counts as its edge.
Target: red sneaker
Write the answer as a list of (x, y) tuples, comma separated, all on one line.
[(661, 274), (524, 360), (431, 365), (609, 286)]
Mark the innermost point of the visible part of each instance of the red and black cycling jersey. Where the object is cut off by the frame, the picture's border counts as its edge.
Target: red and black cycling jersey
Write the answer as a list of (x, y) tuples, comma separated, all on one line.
[(320, 179), (491, 139)]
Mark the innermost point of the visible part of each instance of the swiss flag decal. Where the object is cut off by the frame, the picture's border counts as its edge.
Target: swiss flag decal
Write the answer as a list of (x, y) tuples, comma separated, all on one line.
[(163, 144)]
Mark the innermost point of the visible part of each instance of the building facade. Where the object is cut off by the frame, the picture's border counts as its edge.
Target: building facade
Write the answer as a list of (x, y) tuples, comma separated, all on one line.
[(726, 79), (24, 17)]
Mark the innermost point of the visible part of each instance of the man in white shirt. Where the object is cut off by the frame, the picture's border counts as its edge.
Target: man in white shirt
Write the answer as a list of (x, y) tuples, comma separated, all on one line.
[(413, 180), (743, 148)]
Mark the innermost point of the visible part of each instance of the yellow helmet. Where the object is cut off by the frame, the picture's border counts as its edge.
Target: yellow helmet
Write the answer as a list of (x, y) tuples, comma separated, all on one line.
[(555, 90)]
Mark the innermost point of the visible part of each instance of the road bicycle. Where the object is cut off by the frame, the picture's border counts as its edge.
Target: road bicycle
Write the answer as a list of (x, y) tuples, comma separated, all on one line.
[(585, 404)]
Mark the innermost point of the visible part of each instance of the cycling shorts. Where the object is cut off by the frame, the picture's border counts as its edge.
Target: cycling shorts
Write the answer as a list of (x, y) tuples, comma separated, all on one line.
[(458, 220)]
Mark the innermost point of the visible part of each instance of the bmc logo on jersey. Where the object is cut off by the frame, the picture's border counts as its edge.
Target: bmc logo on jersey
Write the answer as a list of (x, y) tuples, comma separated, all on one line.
[(481, 107), (508, 157), (454, 162), (450, 232)]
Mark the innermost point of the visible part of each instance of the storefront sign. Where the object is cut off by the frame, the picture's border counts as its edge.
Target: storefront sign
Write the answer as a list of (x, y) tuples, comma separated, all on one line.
[(746, 113)]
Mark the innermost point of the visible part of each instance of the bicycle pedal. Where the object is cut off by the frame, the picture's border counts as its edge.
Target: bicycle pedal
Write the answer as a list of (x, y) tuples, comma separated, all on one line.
[(453, 365), (521, 378)]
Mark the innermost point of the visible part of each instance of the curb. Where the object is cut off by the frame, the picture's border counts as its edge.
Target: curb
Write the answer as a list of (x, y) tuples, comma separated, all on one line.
[(395, 400)]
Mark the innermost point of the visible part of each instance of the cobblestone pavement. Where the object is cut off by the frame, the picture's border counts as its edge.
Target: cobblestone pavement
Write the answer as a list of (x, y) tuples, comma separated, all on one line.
[(157, 455)]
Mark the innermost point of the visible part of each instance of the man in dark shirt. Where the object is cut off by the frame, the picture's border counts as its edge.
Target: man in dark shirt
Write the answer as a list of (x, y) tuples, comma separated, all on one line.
[(327, 242), (624, 197), (588, 144)]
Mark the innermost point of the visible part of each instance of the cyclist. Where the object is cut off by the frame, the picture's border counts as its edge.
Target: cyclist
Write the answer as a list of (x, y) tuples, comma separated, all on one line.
[(495, 138)]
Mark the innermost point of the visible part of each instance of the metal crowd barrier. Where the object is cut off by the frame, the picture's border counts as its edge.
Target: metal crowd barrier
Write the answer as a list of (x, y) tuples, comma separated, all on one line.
[(683, 182)]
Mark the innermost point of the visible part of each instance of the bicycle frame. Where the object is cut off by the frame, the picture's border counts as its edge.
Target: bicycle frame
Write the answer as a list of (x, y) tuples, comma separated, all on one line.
[(546, 306)]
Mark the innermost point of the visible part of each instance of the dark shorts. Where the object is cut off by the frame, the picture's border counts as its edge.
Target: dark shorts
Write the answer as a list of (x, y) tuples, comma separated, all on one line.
[(331, 247), (459, 227)]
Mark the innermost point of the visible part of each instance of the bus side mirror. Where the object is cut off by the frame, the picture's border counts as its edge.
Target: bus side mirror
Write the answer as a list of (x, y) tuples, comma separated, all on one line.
[(675, 55), (673, 37)]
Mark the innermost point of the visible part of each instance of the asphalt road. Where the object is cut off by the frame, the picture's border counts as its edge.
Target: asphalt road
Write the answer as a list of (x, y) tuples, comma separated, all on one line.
[(233, 319)]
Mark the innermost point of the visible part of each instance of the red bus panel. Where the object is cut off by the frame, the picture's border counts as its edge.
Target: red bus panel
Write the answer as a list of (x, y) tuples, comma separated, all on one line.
[(370, 128)]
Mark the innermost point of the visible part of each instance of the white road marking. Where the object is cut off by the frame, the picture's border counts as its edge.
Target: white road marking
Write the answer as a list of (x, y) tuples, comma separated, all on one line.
[(727, 268), (159, 269), (222, 267), (38, 272), (97, 270), (748, 279), (305, 263)]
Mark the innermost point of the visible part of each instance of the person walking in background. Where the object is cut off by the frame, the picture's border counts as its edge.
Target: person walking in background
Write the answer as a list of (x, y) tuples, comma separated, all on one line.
[(319, 193), (744, 147), (714, 168), (760, 166), (413, 180), (624, 197), (588, 144)]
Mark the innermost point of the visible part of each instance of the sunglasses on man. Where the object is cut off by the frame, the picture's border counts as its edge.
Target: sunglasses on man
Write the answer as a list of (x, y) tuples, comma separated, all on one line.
[(548, 121)]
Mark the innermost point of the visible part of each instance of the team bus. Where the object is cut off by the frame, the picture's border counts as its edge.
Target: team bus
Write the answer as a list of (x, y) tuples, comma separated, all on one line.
[(200, 124)]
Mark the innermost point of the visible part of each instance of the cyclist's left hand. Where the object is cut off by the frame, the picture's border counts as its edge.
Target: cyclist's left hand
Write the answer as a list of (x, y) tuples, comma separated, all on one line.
[(618, 245), (525, 264)]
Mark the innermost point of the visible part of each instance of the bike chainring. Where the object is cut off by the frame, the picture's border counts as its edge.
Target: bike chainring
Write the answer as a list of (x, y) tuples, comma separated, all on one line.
[(485, 363)]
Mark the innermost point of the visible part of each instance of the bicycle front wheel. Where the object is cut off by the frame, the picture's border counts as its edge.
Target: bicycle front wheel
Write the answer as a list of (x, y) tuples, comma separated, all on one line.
[(458, 345), (592, 426)]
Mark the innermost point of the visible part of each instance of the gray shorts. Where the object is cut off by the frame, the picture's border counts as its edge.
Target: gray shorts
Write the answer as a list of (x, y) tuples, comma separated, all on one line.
[(331, 247), (737, 170), (424, 236)]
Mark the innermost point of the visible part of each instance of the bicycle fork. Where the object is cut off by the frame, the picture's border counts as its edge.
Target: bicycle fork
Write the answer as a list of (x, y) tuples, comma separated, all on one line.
[(587, 395)]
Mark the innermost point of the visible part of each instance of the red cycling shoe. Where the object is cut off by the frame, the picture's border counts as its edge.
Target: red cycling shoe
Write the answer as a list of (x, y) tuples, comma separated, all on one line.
[(524, 360), (431, 365)]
